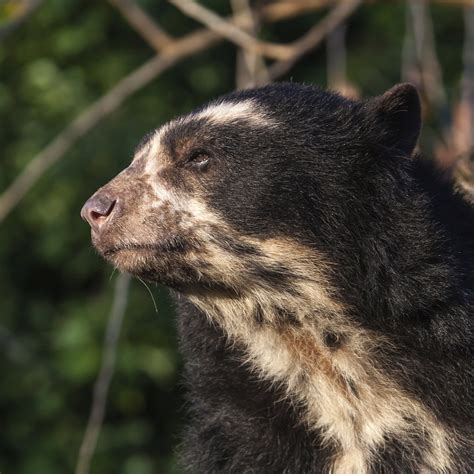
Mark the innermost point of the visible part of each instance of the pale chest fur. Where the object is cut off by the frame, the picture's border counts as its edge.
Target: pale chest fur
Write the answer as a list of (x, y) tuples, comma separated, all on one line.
[(330, 366)]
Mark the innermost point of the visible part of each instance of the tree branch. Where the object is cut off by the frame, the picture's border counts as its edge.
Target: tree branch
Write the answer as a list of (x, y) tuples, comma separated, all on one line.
[(429, 68), (104, 378), (314, 36), (231, 32), (467, 83), (22, 17), (336, 58), (288, 55), (249, 66), (284, 9), (141, 22)]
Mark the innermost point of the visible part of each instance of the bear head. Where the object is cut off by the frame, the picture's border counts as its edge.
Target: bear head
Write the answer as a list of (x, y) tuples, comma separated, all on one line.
[(218, 199)]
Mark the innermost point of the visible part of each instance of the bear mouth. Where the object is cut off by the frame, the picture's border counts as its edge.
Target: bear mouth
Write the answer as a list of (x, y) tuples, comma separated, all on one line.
[(140, 258), (171, 245), (149, 261), (110, 252), (163, 263), (131, 258)]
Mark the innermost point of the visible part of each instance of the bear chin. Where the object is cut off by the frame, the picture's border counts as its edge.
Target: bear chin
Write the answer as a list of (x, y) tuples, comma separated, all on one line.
[(164, 268)]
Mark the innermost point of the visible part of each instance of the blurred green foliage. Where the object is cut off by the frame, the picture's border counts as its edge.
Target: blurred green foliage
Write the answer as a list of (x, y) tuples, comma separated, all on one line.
[(55, 293)]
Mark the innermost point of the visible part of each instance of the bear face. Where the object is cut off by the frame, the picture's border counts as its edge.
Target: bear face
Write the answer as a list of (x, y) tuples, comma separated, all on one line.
[(214, 199)]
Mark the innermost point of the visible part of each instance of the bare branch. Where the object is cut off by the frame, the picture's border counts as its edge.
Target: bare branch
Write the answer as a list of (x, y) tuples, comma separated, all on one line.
[(291, 53), (104, 378), (467, 84), (314, 36), (142, 23), (230, 31), (279, 10), (284, 9), (423, 36), (25, 13), (336, 58), (465, 3), (250, 66), (457, 155)]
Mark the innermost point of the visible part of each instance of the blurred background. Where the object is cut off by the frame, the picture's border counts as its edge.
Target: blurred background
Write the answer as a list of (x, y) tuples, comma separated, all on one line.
[(81, 81)]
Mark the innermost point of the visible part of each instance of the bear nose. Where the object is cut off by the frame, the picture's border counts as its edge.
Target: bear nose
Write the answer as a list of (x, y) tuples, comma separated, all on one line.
[(97, 210)]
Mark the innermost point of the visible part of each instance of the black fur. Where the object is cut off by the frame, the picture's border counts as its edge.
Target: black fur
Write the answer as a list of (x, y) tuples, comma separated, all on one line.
[(402, 243), (340, 177)]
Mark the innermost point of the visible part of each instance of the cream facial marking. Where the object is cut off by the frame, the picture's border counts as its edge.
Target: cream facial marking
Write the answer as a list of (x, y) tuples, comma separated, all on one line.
[(224, 112), (216, 113)]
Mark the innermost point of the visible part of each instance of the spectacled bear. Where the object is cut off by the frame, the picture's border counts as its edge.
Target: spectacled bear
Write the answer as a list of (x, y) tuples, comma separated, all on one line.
[(324, 281)]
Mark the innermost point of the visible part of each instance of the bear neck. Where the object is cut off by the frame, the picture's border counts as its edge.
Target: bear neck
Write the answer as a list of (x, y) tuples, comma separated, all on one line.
[(307, 342)]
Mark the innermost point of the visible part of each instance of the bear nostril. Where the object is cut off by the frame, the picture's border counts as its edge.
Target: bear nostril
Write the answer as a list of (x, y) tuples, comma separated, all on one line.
[(97, 210), (105, 209)]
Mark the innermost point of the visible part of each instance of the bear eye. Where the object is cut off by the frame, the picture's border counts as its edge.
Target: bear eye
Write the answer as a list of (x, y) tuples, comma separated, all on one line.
[(198, 158)]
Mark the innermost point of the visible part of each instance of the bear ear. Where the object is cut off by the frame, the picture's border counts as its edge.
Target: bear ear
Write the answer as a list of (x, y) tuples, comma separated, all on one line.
[(399, 112)]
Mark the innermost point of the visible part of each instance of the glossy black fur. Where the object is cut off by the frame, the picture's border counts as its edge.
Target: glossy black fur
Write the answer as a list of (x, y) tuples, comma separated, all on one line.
[(337, 176)]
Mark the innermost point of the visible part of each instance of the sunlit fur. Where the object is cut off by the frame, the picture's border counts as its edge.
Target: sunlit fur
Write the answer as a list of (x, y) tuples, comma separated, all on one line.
[(346, 308), (346, 394)]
